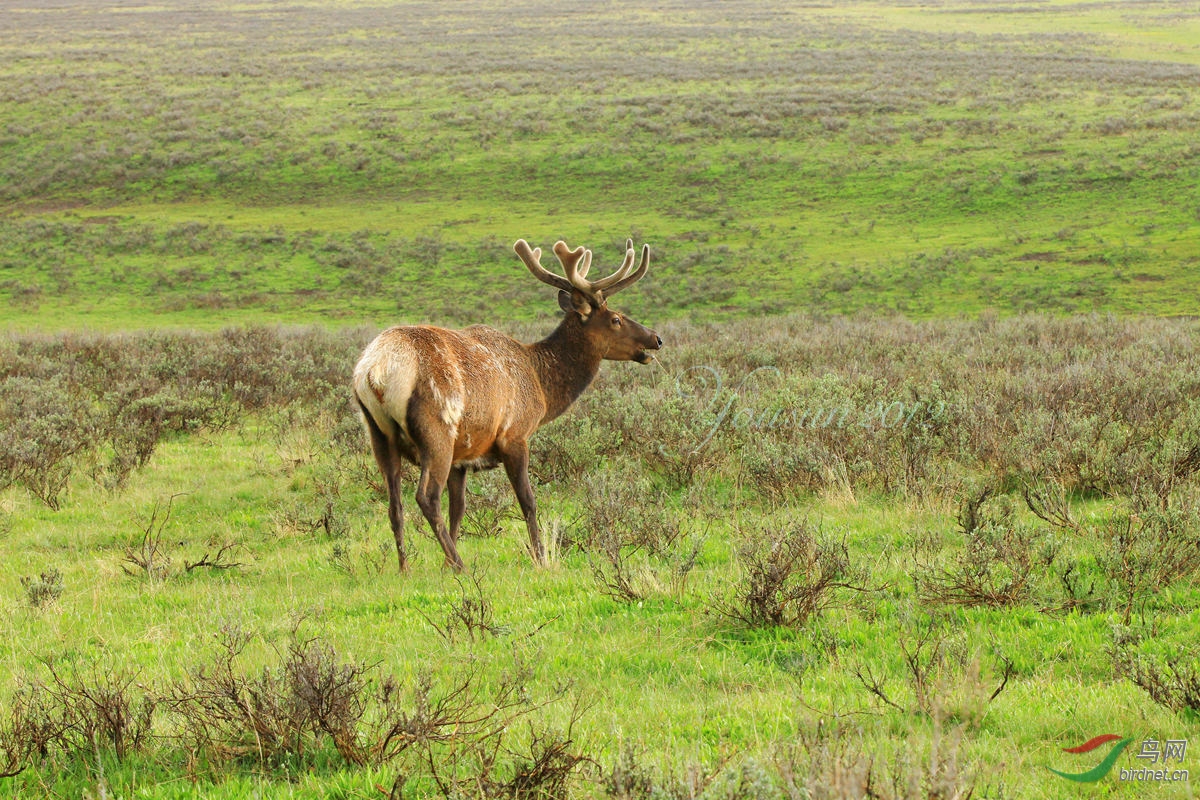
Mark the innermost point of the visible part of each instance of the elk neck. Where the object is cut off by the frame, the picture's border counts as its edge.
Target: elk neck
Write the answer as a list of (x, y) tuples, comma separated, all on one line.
[(566, 362)]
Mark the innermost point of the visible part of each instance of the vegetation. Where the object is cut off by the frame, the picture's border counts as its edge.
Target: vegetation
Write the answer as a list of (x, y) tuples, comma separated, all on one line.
[(908, 503), (919, 551), (357, 161)]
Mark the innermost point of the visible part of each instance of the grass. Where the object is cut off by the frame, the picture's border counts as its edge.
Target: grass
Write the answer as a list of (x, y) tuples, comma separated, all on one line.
[(664, 676), (670, 683), (890, 203), (1046, 152)]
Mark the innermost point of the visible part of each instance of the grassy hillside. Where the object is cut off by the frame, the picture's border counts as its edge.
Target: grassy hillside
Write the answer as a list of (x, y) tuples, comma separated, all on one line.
[(183, 165)]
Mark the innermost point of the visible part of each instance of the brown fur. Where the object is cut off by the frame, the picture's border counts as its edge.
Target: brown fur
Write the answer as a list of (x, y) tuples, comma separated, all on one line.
[(450, 401)]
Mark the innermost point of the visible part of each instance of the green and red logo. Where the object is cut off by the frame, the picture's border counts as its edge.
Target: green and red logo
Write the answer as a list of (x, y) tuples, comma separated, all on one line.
[(1104, 767)]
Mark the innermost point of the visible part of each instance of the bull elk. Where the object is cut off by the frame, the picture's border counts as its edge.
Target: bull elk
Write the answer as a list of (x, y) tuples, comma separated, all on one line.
[(452, 401)]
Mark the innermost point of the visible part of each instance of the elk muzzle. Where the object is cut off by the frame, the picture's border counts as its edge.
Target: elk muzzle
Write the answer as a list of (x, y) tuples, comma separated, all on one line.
[(652, 341)]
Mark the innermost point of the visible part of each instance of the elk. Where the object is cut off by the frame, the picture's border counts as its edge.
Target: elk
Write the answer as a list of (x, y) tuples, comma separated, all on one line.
[(452, 401)]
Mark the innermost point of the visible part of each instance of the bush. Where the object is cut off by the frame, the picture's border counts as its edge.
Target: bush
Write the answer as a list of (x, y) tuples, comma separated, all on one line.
[(279, 713), (47, 424), (43, 590), (1150, 548), (1172, 681), (77, 713), (791, 574), (107, 401), (1000, 562)]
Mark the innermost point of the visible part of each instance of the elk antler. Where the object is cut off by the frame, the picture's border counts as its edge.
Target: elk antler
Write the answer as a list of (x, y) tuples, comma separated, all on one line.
[(622, 278), (570, 260), (628, 280), (533, 260), (576, 263)]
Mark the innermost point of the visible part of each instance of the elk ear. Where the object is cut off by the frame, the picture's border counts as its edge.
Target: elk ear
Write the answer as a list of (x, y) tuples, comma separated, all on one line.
[(575, 302)]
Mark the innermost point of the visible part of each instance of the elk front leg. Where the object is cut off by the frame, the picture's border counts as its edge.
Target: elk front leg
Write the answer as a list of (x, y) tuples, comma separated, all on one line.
[(516, 464)]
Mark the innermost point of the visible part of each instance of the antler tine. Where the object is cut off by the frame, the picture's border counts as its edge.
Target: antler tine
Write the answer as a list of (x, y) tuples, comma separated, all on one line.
[(570, 260), (533, 260), (622, 271), (637, 274)]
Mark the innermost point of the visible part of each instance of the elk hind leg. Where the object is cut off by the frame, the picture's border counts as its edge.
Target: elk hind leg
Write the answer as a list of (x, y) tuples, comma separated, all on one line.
[(435, 471), (390, 464), (456, 488)]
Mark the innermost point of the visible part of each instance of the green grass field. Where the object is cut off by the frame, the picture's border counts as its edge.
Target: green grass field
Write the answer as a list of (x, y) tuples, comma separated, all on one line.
[(351, 162), (948, 654), (957, 228)]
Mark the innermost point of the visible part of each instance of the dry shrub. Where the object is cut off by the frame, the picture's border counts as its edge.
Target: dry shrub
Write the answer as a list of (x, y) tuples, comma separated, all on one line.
[(630, 777), (831, 764), (105, 402), (543, 765), (280, 712), (791, 573), (76, 713), (1149, 548), (462, 737), (1099, 405), (637, 544), (43, 590), (943, 680), (624, 574), (471, 617), (1173, 682), (999, 563), (459, 733), (149, 555), (104, 708), (622, 508), (35, 727), (46, 426), (1149, 542)]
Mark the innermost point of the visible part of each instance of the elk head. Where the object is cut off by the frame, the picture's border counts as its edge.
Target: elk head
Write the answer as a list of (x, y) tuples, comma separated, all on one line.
[(614, 335)]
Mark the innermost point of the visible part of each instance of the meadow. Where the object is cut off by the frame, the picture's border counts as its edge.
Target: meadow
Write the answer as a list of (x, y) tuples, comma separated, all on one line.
[(349, 160), (907, 504)]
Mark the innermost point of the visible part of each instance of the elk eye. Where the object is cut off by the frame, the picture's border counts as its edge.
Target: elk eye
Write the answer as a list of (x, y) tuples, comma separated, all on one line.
[(616, 322)]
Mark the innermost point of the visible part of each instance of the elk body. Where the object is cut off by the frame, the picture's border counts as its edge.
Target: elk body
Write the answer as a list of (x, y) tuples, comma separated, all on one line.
[(453, 401)]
